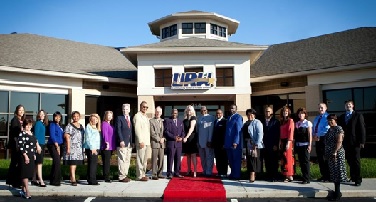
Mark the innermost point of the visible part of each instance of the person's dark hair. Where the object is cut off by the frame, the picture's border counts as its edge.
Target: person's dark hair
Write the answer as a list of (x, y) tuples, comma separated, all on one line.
[(350, 101), (27, 122), (332, 116), (75, 112), (18, 108), (285, 119), (57, 113), (250, 111), (45, 120), (303, 110)]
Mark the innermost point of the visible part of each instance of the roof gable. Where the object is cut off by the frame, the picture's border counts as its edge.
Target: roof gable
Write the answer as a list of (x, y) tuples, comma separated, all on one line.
[(356, 46)]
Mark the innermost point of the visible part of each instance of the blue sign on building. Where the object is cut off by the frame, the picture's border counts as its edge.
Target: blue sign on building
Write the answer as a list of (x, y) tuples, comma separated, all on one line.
[(192, 80)]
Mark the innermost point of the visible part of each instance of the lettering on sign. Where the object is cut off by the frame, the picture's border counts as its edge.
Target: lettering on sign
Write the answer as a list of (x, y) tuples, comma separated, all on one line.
[(191, 80)]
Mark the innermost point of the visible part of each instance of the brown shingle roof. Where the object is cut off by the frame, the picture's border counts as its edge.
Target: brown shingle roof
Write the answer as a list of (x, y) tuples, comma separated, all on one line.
[(47, 53), (356, 46)]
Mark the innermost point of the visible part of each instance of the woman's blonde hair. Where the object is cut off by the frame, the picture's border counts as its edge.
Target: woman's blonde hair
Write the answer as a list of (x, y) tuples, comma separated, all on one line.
[(190, 107), (98, 125)]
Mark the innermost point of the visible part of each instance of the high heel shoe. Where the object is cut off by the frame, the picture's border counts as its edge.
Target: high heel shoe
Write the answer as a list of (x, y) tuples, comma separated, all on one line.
[(194, 174)]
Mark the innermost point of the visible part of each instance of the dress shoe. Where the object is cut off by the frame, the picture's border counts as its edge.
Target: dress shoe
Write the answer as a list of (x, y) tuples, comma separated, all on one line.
[(125, 180), (335, 197), (143, 179), (34, 183), (107, 181), (161, 177), (179, 176), (169, 177), (96, 183), (305, 182), (358, 184), (155, 178)]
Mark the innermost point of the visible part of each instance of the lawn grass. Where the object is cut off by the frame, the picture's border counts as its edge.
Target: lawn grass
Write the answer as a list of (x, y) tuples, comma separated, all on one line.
[(368, 170)]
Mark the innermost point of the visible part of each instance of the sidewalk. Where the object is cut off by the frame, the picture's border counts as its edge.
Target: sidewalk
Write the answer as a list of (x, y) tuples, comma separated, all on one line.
[(234, 189)]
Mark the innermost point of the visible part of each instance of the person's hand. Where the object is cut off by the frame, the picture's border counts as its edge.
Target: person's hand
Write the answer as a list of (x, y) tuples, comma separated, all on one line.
[(234, 145), (334, 155), (176, 138), (142, 145), (161, 140), (107, 145), (361, 145), (309, 149), (68, 150), (27, 160), (122, 144), (39, 149), (180, 139), (254, 147), (35, 157), (94, 152), (185, 140), (315, 138)]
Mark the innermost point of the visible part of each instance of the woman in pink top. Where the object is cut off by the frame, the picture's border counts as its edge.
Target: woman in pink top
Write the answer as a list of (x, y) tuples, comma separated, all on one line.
[(286, 144)]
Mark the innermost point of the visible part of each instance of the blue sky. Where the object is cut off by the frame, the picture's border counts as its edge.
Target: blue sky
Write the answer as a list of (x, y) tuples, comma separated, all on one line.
[(122, 23)]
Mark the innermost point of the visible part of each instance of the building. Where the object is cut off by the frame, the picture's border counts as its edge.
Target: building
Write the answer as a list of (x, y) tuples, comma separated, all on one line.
[(193, 63)]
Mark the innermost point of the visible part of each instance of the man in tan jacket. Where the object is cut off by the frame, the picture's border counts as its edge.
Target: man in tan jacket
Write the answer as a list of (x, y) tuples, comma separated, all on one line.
[(142, 131), (157, 144)]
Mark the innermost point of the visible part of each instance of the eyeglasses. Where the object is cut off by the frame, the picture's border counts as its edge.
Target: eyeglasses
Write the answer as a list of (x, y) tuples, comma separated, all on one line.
[(145, 107)]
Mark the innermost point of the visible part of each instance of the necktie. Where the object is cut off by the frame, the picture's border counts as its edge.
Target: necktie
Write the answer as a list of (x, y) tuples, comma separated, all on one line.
[(175, 122), (317, 125), (347, 118), (128, 122)]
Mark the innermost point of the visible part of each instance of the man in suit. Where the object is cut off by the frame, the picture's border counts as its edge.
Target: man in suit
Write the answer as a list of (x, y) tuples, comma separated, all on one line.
[(271, 141), (174, 134), (319, 130), (124, 134), (142, 131), (205, 126), (157, 144), (353, 124), (218, 142), (233, 142)]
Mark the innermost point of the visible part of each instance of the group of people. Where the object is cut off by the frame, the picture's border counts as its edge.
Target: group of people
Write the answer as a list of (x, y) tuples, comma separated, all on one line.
[(336, 138), (267, 140)]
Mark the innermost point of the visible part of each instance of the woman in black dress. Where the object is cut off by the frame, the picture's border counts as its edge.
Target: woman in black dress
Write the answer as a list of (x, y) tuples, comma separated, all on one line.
[(335, 154), (28, 146), (13, 177), (190, 140)]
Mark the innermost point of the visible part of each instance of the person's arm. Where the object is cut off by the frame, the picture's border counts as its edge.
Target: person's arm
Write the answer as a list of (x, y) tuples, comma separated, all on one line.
[(167, 133), (290, 137), (236, 130), (67, 137), (339, 137), (309, 136), (260, 133), (362, 127), (53, 135), (191, 128), (38, 129), (137, 128), (211, 129)]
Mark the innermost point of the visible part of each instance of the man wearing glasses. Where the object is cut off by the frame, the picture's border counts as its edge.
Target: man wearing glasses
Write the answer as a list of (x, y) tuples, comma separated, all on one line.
[(205, 127), (142, 131)]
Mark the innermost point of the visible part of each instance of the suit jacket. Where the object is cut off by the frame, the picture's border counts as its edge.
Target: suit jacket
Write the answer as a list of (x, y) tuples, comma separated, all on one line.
[(355, 130), (156, 133), (123, 132), (171, 131), (234, 131), (271, 133), (142, 129), (218, 139)]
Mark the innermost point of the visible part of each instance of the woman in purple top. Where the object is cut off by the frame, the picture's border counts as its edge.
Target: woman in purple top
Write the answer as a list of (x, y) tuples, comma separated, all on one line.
[(108, 144)]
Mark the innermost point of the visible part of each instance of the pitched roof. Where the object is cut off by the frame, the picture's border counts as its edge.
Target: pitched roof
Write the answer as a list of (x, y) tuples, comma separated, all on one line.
[(350, 47), (195, 42), (47, 53)]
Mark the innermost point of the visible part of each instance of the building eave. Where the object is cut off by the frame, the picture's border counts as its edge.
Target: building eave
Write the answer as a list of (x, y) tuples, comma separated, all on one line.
[(194, 49)]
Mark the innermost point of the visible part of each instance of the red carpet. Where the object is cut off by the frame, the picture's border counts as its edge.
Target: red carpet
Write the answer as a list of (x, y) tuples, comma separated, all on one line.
[(199, 189)]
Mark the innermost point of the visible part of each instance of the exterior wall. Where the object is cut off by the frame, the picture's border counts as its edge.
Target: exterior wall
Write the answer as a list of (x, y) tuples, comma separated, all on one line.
[(243, 102), (150, 102), (209, 62), (313, 98)]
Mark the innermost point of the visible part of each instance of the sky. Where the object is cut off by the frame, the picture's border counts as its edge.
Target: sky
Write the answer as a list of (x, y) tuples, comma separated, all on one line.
[(122, 23)]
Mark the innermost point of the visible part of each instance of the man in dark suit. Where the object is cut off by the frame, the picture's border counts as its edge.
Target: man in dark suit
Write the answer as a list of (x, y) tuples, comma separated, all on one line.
[(352, 123), (271, 128), (218, 142), (174, 134), (124, 134)]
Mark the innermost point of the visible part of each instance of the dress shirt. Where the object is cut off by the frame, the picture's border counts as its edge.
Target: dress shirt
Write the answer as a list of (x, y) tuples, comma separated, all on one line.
[(323, 125), (92, 138)]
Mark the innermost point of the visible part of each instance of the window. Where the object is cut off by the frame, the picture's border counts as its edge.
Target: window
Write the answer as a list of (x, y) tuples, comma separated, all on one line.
[(187, 28), (214, 29), (169, 31), (173, 30), (225, 77), (163, 77), (29, 100), (222, 31), (200, 27), (4, 99), (193, 70)]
